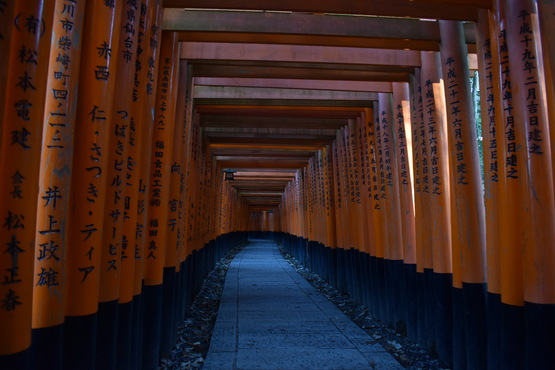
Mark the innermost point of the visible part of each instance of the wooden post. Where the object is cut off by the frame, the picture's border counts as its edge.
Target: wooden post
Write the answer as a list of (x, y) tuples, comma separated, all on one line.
[(329, 202), (435, 121), (158, 193), (424, 262), (383, 252), (368, 183), (503, 172), (489, 74), (376, 215), (402, 133), (394, 253), (359, 202), (21, 126), (359, 219), (161, 161), (54, 183), (337, 195), (177, 193), (348, 235), (403, 142), (126, 133), (149, 62), (366, 222), (536, 190), (469, 233), (89, 178), (133, 234), (117, 262), (169, 84), (187, 140)]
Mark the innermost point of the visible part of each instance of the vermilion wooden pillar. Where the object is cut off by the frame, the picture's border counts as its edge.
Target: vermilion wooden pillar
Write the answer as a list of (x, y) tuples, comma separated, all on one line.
[(367, 183), (360, 201), (337, 195), (187, 140), (158, 192), (359, 216), (383, 252), (49, 299), (21, 126), (394, 253), (538, 209), (133, 234), (331, 225), (308, 173), (352, 236), (191, 177), (511, 150), (161, 161), (438, 177), (320, 203), (149, 73), (492, 132), (89, 178), (177, 195), (117, 263), (503, 168), (424, 261), (329, 201), (346, 206), (375, 216), (468, 206), (402, 131), (366, 222)]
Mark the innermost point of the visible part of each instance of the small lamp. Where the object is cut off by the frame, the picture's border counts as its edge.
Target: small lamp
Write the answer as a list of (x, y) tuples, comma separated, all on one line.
[(228, 175)]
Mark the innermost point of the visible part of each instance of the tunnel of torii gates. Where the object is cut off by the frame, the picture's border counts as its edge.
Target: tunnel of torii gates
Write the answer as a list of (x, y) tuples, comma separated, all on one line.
[(350, 140)]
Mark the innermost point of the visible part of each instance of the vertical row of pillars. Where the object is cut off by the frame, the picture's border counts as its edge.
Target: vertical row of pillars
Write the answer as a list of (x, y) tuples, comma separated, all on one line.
[(460, 263), (102, 245)]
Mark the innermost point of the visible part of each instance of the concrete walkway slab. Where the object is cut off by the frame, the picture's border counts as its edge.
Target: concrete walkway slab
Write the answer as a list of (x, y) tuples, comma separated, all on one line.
[(270, 317)]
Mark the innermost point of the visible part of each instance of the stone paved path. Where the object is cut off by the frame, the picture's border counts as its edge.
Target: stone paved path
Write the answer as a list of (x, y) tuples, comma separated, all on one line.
[(270, 317)]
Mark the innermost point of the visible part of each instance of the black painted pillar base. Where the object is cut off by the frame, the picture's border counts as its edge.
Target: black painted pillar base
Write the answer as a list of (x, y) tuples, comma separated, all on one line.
[(412, 299), (152, 321), (495, 331), (398, 297), (125, 323), (107, 335), (443, 287), (47, 347), (421, 309), (17, 361), (475, 325), (168, 308), (137, 332), (80, 342), (540, 336), (380, 269), (374, 287), (367, 276), (513, 334), (459, 342), (429, 314)]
